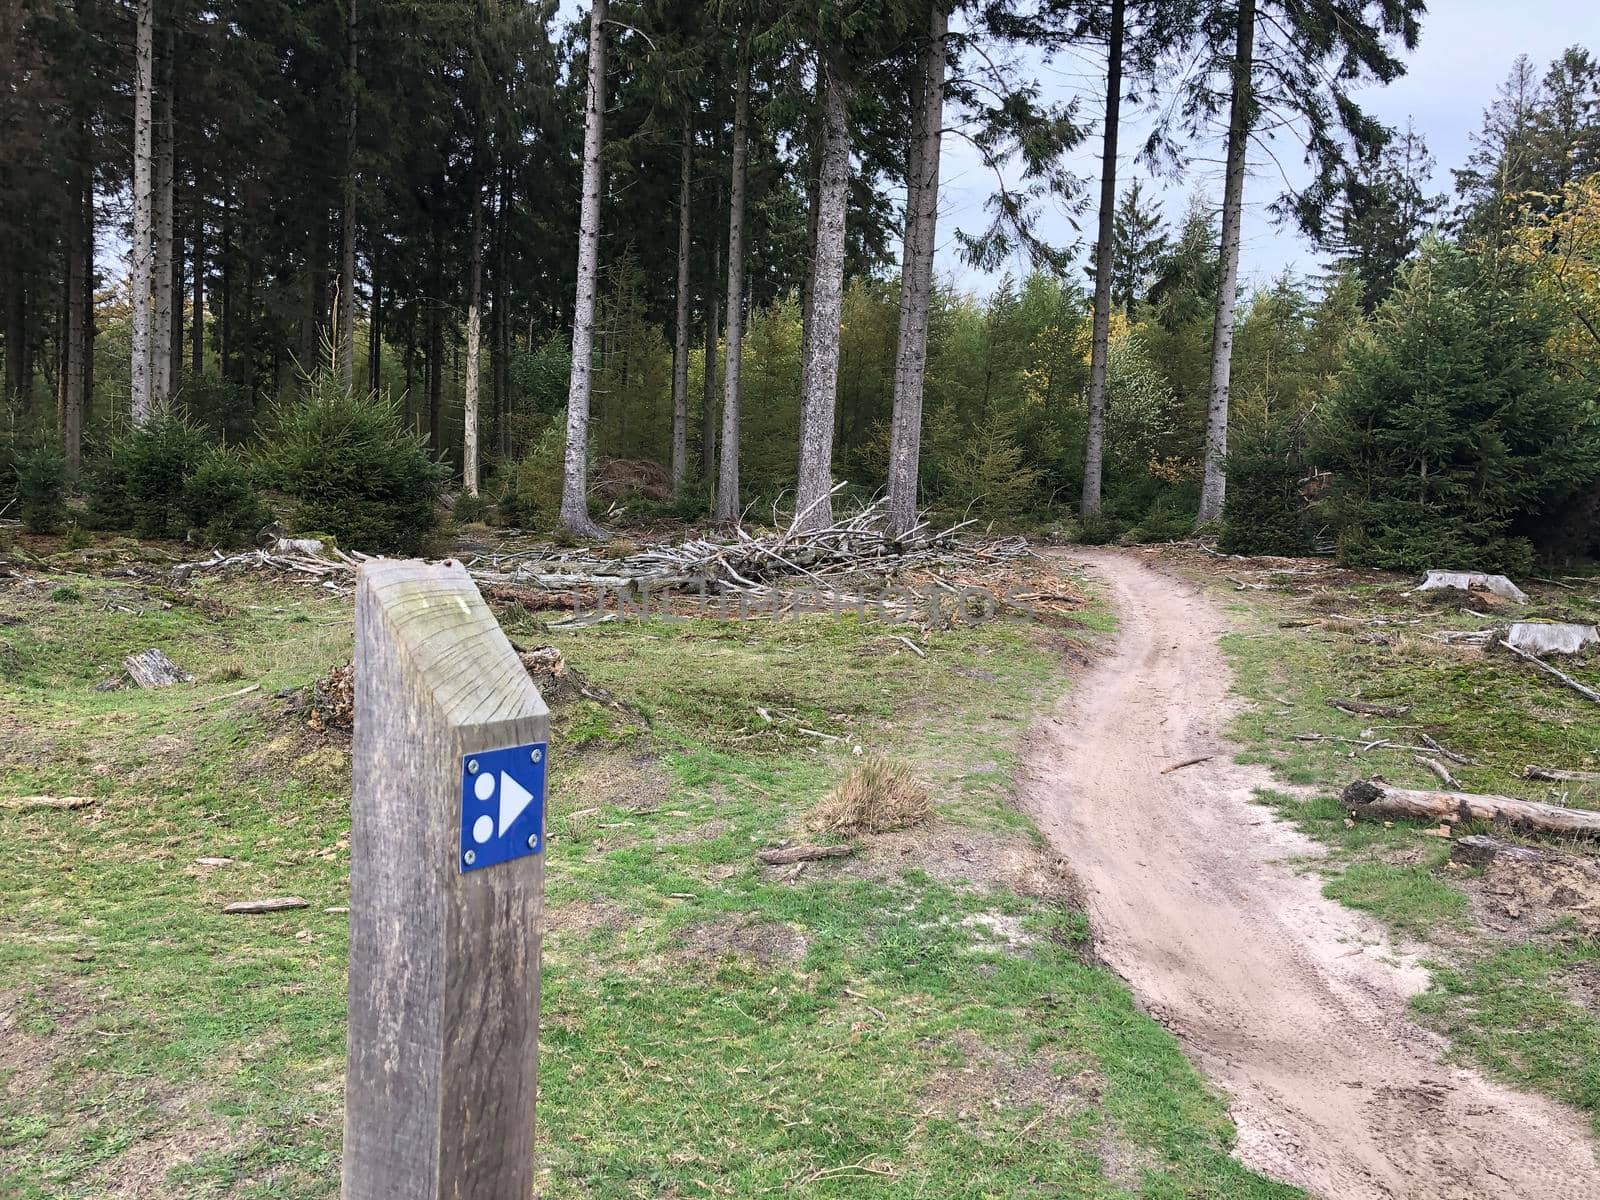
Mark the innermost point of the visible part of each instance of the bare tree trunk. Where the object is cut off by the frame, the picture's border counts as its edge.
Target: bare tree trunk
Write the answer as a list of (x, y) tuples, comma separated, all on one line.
[(1099, 346), (469, 408), (141, 249), (680, 345), (436, 335), (575, 468), (813, 509), (708, 413), (197, 318), (78, 272), (1241, 118), (345, 318), (502, 312), (161, 209), (375, 320), (916, 276), (727, 508), (89, 277), (16, 327)]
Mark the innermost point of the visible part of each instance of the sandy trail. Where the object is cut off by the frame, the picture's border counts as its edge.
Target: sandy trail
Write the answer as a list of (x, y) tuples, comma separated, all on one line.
[(1289, 1001)]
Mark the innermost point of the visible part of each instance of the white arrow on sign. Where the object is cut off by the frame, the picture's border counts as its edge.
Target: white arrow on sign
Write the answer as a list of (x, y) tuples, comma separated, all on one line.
[(513, 799)]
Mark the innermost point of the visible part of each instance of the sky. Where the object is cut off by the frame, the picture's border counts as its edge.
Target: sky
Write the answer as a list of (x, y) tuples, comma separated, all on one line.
[(1465, 51)]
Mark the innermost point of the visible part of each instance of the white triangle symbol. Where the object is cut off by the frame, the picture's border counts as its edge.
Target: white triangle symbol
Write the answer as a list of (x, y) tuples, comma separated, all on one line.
[(513, 799)]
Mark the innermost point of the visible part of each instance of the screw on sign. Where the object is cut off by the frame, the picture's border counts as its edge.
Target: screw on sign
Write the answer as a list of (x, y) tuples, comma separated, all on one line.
[(446, 895)]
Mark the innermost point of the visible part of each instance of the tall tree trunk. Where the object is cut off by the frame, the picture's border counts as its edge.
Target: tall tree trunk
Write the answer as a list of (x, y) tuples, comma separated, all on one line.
[(197, 318), (141, 249), (175, 325), (345, 318), (375, 320), (436, 335), (727, 508), (161, 209), (469, 408), (813, 508), (680, 344), (575, 468), (502, 312), (1100, 342), (78, 271), (225, 344), (916, 275), (16, 329), (708, 412), (1241, 118), (89, 280)]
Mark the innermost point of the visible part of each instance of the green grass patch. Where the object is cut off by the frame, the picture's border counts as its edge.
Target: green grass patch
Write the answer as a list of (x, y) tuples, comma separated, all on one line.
[(708, 1027), (1525, 1012)]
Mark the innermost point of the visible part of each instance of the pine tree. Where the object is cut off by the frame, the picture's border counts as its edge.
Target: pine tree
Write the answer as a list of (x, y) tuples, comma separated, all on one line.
[(1141, 244), (1384, 213)]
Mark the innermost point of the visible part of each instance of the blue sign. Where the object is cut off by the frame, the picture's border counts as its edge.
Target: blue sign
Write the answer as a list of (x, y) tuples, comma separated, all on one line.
[(502, 805)]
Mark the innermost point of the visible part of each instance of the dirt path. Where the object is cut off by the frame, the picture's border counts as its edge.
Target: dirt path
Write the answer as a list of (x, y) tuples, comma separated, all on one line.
[(1292, 1003)]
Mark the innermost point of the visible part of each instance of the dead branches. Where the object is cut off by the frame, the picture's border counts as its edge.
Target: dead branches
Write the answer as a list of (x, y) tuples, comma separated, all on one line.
[(1583, 689)]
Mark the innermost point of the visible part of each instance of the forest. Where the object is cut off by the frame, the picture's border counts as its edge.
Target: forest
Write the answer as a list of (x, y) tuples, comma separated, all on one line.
[(373, 266), (639, 599)]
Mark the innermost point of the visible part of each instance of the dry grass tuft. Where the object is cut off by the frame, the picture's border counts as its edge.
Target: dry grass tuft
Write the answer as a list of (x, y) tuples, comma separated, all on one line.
[(878, 795)]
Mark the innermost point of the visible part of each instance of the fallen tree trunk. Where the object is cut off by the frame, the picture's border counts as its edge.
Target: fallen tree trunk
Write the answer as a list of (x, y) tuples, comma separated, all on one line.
[(795, 854), (1478, 851), (1378, 801)]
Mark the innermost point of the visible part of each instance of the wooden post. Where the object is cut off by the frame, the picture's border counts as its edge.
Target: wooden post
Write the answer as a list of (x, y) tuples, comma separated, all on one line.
[(446, 895)]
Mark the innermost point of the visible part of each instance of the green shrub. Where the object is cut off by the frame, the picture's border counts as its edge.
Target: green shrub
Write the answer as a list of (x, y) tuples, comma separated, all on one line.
[(136, 481), (41, 486), (530, 496), (221, 407), (470, 508), (1454, 427), (1169, 518), (220, 500), (987, 476), (353, 468), (1264, 512)]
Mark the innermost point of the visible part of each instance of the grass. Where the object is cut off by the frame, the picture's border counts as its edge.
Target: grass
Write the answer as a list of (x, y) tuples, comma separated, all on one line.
[(1507, 1003), (708, 1027)]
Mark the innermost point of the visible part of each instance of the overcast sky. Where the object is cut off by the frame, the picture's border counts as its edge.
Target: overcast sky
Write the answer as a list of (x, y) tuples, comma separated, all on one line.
[(1466, 50)]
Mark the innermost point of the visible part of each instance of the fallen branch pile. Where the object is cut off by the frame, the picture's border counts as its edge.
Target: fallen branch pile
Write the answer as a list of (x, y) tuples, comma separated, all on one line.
[(839, 565)]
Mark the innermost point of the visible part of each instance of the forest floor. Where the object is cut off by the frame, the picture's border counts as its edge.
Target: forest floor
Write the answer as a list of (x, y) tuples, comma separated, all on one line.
[(1215, 912), (923, 1018)]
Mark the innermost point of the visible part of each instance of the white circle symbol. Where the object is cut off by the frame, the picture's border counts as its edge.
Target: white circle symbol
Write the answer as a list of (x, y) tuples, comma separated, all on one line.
[(483, 787), (483, 829)]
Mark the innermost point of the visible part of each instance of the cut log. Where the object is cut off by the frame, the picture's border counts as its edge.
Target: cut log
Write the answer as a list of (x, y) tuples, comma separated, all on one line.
[(270, 905), (1554, 775), (153, 669), (1478, 851), (1371, 710), (34, 803), (1378, 801), (1473, 581), (1583, 689), (1550, 637), (796, 854)]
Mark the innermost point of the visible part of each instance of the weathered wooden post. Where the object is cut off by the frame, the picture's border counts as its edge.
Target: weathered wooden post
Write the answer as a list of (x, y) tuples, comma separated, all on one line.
[(446, 895)]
